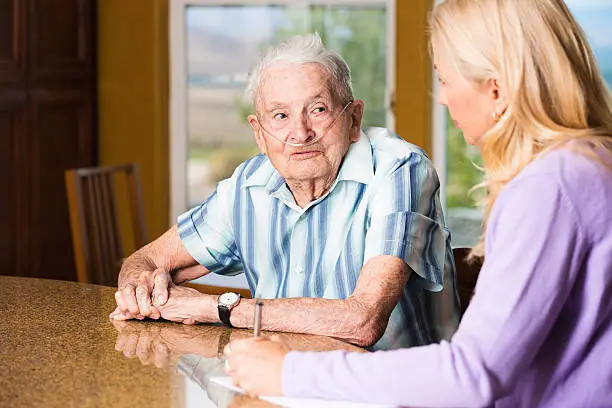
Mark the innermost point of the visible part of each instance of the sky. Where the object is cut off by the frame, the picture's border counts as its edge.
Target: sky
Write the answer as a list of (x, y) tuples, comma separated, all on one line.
[(234, 22), (588, 3), (595, 17)]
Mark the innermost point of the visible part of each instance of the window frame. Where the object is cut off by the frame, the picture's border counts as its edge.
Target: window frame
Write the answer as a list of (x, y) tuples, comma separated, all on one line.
[(438, 133)]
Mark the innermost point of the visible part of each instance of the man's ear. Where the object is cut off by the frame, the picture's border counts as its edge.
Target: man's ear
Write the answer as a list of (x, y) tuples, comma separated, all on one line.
[(356, 115), (258, 132)]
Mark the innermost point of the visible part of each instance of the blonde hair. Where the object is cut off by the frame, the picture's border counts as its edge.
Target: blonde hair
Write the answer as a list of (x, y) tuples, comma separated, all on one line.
[(555, 91)]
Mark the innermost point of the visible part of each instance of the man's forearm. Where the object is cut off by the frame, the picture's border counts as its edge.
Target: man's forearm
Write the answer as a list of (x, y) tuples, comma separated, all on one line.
[(166, 252), (360, 319), (352, 319), (140, 261)]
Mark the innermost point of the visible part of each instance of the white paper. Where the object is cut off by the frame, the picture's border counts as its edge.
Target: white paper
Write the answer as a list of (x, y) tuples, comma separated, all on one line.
[(298, 402)]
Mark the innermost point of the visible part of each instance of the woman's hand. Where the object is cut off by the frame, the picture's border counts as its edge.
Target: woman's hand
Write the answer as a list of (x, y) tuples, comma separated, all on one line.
[(256, 364)]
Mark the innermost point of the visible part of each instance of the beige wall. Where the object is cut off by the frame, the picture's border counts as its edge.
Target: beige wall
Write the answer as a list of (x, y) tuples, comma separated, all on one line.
[(133, 96), (133, 90), (413, 73)]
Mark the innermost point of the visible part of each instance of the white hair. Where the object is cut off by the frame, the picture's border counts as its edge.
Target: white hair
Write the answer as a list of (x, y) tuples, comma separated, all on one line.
[(304, 49)]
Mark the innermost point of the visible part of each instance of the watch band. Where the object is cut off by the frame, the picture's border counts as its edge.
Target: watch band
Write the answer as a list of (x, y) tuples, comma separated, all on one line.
[(224, 315)]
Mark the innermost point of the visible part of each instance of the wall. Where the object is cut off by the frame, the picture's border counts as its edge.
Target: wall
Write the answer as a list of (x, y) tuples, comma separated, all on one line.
[(133, 96), (133, 90), (413, 73)]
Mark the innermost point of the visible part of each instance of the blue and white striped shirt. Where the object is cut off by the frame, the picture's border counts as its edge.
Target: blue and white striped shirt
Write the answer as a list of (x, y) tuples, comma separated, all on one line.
[(385, 201)]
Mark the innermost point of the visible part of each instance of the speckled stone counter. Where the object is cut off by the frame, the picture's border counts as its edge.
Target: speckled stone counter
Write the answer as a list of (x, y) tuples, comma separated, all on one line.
[(58, 348)]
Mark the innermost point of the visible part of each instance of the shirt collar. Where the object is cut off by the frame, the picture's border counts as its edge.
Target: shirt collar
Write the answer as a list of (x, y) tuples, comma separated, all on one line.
[(356, 166)]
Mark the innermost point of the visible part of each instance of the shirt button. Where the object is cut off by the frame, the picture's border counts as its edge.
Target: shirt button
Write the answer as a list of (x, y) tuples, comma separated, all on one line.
[(299, 269)]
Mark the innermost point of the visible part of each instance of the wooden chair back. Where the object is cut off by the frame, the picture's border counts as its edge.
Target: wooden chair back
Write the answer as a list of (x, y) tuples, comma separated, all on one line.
[(94, 219), (467, 275)]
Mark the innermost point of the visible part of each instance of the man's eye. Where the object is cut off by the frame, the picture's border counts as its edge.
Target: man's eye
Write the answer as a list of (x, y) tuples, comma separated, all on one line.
[(319, 109), (280, 116)]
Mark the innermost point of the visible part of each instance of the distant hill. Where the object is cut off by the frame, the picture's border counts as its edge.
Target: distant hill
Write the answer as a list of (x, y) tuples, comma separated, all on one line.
[(211, 53)]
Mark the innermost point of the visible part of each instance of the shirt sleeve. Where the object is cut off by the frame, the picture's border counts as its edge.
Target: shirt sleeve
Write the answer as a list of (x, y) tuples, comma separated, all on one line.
[(535, 247), (406, 220), (207, 232)]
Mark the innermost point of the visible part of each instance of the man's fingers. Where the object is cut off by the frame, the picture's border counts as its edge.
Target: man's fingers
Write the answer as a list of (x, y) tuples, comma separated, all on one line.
[(128, 295), (115, 312), (119, 324), (144, 301), (118, 315), (162, 280), (155, 314), (121, 303)]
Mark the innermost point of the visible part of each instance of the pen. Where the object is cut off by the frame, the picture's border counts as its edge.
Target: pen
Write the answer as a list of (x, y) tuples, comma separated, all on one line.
[(257, 317)]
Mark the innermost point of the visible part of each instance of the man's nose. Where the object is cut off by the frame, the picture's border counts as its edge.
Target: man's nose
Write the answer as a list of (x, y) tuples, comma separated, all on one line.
[(302, 130)]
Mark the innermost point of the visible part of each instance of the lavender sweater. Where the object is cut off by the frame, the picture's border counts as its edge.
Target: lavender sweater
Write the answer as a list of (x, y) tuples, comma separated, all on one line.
[(538, 331)]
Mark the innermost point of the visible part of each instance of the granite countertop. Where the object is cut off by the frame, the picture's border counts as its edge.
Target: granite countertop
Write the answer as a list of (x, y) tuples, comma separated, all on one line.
[(58, 347)]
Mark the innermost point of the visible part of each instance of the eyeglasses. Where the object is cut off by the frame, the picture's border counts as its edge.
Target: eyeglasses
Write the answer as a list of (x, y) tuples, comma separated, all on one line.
[(318, 123)]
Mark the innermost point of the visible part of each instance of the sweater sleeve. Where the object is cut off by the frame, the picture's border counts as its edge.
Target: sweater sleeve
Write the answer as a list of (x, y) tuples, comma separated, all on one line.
[(534, 250)]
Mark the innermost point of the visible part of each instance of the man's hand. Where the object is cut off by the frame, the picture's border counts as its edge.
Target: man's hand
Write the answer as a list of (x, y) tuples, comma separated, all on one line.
[(134, 294), (183, 305), (146, 274), (256, 364)]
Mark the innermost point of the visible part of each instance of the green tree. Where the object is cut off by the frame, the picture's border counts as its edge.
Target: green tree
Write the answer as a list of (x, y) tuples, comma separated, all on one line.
[(461, 171), (359, 35)]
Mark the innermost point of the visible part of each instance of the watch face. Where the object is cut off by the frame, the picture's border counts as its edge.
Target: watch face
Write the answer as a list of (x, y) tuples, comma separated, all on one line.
[(228, 299)]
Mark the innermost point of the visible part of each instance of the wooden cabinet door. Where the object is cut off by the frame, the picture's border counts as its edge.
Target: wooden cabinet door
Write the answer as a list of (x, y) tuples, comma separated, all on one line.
[(12, 44), (59, 126), (13, 218), (60, 44), (47, 125), (13, 108)]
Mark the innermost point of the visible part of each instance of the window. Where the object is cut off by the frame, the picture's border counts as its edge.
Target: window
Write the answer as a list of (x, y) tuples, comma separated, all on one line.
[(214, 43), (454, 157)]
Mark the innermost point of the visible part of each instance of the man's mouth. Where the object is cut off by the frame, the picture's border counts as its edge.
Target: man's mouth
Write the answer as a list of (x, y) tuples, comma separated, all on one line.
[(305, 155)]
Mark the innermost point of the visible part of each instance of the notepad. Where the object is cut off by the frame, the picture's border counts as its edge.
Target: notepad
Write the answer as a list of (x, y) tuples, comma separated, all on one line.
[(298, 402)]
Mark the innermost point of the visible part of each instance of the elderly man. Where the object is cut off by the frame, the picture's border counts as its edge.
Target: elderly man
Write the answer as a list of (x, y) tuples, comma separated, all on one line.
[(341, 230)]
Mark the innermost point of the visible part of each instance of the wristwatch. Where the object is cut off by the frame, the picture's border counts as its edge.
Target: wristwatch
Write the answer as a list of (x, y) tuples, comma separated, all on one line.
[(225, 303)]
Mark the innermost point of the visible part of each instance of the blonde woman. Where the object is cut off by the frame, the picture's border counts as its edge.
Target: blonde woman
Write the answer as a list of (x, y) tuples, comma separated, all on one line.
[(521, 82)]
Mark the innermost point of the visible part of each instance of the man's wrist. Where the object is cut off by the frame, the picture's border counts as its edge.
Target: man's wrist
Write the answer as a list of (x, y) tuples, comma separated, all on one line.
[(207, 309), (242, 314)]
